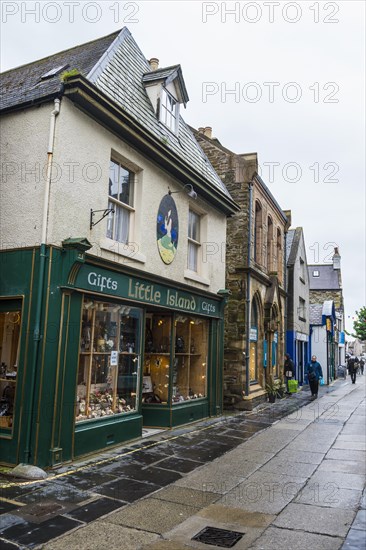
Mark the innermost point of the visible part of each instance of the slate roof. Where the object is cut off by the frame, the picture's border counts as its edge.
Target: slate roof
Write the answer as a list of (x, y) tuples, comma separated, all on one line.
[(23, 85), (116, 65), (328, 277), (315, 314), (163, 73)]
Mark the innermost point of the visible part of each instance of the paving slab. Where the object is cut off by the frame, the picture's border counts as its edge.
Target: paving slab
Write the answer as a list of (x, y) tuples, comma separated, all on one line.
[(344, 454), (98, 535), (329, 495), (355, 540), (156, 516), (289, 467), (346, 466), (327, 521), (241, 523), (301, 456), (264, 492), (360, 520), (351, 445), (189, 497), (347, 480), (295, 540)]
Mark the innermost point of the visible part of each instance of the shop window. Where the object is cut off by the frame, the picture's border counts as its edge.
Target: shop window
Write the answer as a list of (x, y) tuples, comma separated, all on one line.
[(109, 360), (121, 200), (10, 322), (169, 111), (176, 356), (190, 359), (194, 244)]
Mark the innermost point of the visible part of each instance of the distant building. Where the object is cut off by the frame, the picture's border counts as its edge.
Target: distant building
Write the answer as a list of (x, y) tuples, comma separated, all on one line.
[(298, 323), (326, 285), (322, 321), (255, 275)]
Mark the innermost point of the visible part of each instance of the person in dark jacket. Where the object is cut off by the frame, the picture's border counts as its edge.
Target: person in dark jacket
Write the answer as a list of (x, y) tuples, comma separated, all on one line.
[(352, 368), (288, 369), (314, 373), (362, 365)]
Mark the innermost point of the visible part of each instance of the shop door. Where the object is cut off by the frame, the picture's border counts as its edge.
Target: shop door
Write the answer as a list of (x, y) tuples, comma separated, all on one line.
[(253, 374)]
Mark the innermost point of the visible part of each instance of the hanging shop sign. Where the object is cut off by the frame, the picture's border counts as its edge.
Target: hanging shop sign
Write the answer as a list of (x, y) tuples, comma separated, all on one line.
[(167, 229), (132, 288)]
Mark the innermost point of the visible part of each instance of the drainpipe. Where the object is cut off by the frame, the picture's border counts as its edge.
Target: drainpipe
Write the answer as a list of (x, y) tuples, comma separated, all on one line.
[(248, 303), (42, 269)]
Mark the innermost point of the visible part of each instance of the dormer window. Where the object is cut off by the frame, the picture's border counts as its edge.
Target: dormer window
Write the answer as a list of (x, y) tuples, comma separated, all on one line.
[(169, 111)]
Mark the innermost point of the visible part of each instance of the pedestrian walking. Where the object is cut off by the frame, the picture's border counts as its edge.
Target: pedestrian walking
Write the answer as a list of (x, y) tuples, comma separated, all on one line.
[(288, 369), (362, 365), (314, 372), (352, 368)]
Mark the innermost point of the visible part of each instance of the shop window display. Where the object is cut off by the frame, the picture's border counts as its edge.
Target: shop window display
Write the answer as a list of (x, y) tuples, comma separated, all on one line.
[(9, 350), (109, 356), (186, 359), (190, 361)]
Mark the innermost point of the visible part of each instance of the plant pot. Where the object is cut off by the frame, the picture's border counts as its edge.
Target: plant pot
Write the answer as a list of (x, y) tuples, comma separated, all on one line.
[(271, 398)]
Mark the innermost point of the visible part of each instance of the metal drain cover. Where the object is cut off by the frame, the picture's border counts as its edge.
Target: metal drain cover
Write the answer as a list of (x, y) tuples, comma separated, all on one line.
[(37, 512), (218, 537)]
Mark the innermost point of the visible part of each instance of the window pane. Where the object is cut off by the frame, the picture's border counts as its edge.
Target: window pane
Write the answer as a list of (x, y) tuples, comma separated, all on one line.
[(110, 221), (126, 186), (9, 346), (192, 256), (194, 226), (121, 224), (113, 179)]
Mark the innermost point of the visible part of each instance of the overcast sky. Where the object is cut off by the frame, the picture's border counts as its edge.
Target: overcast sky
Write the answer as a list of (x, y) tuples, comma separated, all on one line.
[(284, 79)]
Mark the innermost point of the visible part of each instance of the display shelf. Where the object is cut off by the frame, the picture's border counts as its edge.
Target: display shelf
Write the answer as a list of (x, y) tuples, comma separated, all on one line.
[(8, 380)]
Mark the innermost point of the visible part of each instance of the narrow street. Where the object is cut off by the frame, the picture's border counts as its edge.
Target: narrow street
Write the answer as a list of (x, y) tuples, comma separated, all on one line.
[(289, 475)]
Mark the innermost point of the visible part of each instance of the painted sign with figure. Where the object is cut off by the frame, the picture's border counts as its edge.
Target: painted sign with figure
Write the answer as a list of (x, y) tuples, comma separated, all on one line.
[(167, 229)]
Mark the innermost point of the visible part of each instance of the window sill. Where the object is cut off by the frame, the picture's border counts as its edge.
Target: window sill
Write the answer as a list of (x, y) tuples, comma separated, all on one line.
[(195, 277), (124, 250)]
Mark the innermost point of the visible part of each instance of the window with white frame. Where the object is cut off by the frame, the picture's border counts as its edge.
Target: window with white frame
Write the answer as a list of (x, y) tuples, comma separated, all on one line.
[(194, 242), (169, 111), (121, 200)]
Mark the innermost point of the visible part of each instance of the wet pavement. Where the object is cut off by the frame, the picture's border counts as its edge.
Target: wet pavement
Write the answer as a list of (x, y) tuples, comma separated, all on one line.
[(288, 474)]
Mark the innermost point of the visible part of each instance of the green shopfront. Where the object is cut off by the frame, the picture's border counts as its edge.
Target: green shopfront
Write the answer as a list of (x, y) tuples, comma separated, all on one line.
[(99, 353)]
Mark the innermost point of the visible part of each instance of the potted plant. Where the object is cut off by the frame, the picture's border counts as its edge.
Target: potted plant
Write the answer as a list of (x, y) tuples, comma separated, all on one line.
[(271, 389), (281, 387)]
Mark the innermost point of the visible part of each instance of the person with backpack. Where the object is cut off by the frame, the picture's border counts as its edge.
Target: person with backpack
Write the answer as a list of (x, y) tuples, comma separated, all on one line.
[(314, 373), (352, 368)]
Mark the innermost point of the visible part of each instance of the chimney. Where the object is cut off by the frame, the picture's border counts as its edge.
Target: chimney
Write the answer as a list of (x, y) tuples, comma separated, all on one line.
[(208, 132), (201, 130), (336, 259), (154, 63)]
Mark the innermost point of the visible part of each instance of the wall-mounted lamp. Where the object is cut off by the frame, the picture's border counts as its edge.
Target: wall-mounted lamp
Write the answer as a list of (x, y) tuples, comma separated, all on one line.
[(188, 188), (105, 211)]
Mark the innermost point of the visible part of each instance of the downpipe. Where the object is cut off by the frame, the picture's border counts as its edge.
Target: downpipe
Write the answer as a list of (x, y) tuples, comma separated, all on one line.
[(37, 337), (248, 304)]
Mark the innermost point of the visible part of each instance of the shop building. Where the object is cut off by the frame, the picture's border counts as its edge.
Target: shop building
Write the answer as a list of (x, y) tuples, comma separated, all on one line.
[(255, 325), (113, 286), (325, 282), (298, 328), (323, 340)]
